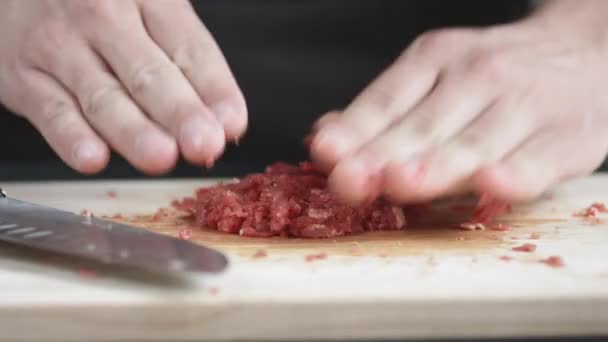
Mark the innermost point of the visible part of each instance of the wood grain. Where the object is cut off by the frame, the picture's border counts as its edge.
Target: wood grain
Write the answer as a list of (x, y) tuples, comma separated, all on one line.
[(430, 280)]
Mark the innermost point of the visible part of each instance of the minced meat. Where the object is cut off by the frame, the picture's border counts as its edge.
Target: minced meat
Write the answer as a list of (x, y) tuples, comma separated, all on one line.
[(286, 200)]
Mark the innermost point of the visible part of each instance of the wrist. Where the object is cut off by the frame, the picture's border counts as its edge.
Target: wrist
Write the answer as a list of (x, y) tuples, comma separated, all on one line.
[(583, 22)]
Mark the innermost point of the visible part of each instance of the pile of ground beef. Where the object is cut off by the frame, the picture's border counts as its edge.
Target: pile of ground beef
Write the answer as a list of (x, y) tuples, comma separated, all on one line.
[(294, 201), (289, 201)]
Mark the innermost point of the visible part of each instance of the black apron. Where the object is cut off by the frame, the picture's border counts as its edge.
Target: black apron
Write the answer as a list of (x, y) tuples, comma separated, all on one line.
[(294, 60)]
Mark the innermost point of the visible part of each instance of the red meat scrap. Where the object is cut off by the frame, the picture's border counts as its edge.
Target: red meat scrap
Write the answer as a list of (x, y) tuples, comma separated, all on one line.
[(260, 253), (86, 273), (286, 200), (184, 233), (553, 261), (501, 227), (591, 212), (316, 256), (526, 247), (472, 226), (486, 211), (506, 258)]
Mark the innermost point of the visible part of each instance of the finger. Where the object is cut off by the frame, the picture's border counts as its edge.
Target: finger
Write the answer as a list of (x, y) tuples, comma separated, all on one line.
[(161, 90), (545, 159), (441, 115), (448, 167), (389, 97), (54, 113), (179, 32), (377, 107), (107, 106), (328, 118)]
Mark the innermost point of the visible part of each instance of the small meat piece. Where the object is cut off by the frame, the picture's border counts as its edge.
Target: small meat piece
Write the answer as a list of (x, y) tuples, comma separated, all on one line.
[(526, 247), (502, 227), (117, 217), (160, 214), (472, 226), (112, 194), (553, 261), (355, 251), (535, 235), (87, 273), (317, 256), (214, 291), (184, 233), (260, 253), (505, 258), (591, 212)]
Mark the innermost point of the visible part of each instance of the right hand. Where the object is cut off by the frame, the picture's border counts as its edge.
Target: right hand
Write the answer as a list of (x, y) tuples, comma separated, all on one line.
[(143, 77)]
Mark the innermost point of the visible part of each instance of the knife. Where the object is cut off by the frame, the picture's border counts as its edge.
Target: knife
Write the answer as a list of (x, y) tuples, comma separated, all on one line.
[(63, 232)]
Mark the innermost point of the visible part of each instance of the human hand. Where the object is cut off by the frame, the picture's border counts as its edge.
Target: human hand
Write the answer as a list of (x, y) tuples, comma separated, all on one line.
[(142, 77), (507, 111)]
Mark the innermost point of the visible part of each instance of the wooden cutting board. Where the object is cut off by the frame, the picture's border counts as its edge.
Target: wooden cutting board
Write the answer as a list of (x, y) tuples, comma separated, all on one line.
[(430, 280)]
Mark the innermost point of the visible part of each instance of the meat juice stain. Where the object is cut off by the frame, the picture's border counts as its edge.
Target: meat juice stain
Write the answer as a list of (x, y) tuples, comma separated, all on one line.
[(437, 235), (414, 240)]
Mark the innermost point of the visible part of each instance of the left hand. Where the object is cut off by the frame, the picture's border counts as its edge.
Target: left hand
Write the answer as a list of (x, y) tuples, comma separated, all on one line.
[(508, 111)]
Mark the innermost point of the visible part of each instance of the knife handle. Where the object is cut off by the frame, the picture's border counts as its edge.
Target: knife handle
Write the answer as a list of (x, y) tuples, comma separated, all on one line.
[(2, 193)]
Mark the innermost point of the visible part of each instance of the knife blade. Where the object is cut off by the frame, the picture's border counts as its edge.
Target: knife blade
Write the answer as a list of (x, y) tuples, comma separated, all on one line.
[(63, 232)]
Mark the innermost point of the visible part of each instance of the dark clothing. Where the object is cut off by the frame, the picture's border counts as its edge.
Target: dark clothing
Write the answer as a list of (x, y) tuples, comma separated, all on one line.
[(294, 60)]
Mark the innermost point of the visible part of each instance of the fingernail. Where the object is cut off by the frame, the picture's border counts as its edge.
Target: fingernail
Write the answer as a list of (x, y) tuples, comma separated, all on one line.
[(84, 152), (334, 139), (147, 144), (194, 131), (230, 116)]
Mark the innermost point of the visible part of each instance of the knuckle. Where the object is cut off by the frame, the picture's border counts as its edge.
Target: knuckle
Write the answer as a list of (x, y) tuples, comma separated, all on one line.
[(104, 11), (144, 77), (379, 99), (10, 68), (489, 64), (470, 140), (57, 115), (202, 58), (426, 129), (438, 41), (95, 102), (44, 40)]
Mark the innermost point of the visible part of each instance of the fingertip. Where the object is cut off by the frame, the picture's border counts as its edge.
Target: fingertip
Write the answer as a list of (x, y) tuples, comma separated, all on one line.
[(403, 181), (201, 140), (499, 181), (155, 153), (90, 156), (331, 145), (233, 116), (325, 119), (354, 182)]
